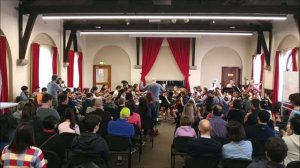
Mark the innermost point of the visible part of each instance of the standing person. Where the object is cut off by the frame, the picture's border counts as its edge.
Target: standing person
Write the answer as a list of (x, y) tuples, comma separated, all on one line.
[(156, 89), (40, 95), (21, 152), (24, 94), (53, 88)]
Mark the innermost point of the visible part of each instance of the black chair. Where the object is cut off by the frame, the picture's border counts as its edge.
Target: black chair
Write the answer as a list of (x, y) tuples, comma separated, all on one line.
[(119, 145), (294, 164), (138, 139), (222, 140), (178, 147), (67, 139), (258, 146), (53, 161), (204, 161), (235, 163)]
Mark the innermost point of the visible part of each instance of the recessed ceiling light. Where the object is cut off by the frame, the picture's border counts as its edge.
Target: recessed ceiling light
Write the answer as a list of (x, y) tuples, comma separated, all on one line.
[(98, 27), (232, 27)]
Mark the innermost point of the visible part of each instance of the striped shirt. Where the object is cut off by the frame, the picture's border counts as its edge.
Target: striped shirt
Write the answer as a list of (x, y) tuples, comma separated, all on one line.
[(30, 158)]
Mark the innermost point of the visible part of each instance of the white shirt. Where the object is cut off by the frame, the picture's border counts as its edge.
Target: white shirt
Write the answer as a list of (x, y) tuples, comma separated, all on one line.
[(293, 144), (65, 127)]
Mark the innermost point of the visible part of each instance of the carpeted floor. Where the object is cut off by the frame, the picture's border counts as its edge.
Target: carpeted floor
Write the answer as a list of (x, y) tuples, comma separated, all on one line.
[(160, 155)]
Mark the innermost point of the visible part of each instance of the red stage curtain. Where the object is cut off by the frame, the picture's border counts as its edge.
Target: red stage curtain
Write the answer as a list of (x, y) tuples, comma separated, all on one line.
[(35, 65), (276, 78), (54, 60), (151, 47), (3, 70), (70, 68), (180, 48), (294, 60), (80, 57), (262, 65)]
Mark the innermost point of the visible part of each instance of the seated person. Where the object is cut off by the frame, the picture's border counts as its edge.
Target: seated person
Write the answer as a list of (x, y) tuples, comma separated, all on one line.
[(292, 139), (24, 95), (121, 103), (17, 115), (87, 103), (203, 145), (21, 152), (261, 130), (97, 104), (236, 113), (49, 139), (89, 146), (105, 118), (69, 124), (46, 110), (251, 116), (238, 148), (217, 123), (276, 151), (134, 117), (185, 128), (64, 104), (120, 126)]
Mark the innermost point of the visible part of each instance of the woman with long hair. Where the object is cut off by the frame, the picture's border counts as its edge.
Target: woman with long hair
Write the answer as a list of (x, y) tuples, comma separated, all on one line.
[(21, 152), (69, 125), (29, 115), (145, 114)]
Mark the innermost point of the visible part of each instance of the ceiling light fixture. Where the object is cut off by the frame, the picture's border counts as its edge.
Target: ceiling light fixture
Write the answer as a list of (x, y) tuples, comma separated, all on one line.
[(146, 17), (165, 33)]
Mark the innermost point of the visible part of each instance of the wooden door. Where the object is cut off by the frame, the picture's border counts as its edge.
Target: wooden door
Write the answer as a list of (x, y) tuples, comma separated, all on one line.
[(102, 75), (230, 73)]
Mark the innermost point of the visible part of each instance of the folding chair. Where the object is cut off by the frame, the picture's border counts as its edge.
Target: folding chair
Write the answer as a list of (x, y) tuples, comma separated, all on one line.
[(53, 161), (235, 163), (203, 161), (178, 147)]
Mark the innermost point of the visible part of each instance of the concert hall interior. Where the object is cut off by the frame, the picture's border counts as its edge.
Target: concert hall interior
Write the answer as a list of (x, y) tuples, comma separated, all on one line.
[(81, 75)]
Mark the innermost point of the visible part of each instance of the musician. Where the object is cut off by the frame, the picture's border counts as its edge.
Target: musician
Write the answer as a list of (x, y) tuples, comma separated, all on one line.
[(165, 102), (231, 83), (179, 104)]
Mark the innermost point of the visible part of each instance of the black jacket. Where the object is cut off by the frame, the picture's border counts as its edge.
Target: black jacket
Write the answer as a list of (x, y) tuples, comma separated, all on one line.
[(89, 147), (203, 147)]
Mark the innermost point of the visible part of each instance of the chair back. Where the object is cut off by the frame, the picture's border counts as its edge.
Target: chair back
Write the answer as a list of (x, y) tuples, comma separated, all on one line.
[(258, 146), (67, 138), (53, 161), (179, 144), (235, 163), (294, 164), (204, 161), (117, 143), (222, 140)]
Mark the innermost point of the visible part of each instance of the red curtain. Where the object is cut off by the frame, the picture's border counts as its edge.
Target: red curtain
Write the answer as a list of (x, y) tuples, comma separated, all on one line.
[(54, 60), (80, 57), (276, 78), (294, 60), (3, 70), (35, 65), (150, 51), (180, 48), (70, 68), (262, 65)]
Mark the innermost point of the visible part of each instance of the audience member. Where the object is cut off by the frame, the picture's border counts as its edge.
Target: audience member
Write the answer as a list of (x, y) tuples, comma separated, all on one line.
[(24, 95), (120, 126), (17, 115), (203, 145), (97, 104), (46, 110), (276, 151), (189, 110), (29, 116), (49, 139), (64, 104), (293, 140), (69, 124), (236, 113), (145, 114), (87, 103), (251, 117), (89, 146), (217, 123), (105, 118), (261, 130), (185, 128), (53, 88), (295, 101), (238, 148), (121, 104), (21, 152)]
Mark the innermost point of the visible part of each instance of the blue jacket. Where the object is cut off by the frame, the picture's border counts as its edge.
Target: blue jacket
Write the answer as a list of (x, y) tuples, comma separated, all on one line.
[(120, 127)]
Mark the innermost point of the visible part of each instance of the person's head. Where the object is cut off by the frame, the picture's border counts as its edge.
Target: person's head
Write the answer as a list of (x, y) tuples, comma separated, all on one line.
[(37, 89), (204, 127), (254, 104), (94, 89), (131, 105), (121, 101), (217, 110), (125, 113), (295, 99), (63, 98), (69, 114), (49, 123), (237, 104), (44, 90), (295, 124), (28, 111), (236, 131), (263, 117), (185, 121), (231, 81), (24, 88), (92, 123), (47, 99), (89, 95), (24, 138), (54, 77), (276, 149), (245, 96), (21, 105), (153, 80), (122, 93), (118, 87), (98, 103)]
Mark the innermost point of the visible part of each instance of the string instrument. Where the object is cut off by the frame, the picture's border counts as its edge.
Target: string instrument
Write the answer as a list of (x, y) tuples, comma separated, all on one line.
[(177, 103)]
